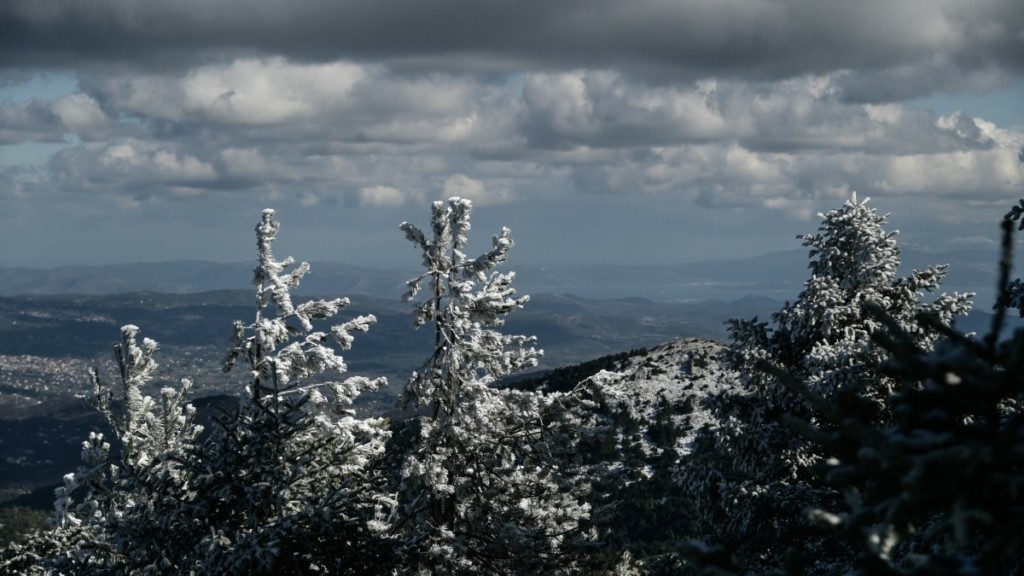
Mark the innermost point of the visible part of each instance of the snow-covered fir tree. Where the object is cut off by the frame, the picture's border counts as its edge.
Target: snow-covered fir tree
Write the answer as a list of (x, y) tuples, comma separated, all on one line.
[(936, 488), (753, 473), (483, 490), (105, 512), (289, 485)]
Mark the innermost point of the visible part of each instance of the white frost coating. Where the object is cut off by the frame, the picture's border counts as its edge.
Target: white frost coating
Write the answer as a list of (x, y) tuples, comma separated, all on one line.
[(823, 344), (481, 471), (292, 462)]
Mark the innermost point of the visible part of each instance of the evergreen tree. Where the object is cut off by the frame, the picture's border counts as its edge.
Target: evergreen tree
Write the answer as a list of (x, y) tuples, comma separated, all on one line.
[(288, 485), (105, 511), (752, 475), (937, 488), (482, 490), (1012, 292)]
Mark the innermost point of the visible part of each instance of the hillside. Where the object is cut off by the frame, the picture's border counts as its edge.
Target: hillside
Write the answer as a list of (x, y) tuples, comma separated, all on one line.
[(651, 406), (677, 374)]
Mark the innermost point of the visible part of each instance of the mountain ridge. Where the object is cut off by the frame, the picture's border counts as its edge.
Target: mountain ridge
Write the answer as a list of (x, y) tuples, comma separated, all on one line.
[(778, 275)]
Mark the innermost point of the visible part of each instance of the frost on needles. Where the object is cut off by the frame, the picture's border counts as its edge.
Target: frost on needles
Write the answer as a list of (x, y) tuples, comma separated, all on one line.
[(287, 484), (482, 490), (295, 474), (294, 482), (754, 472)]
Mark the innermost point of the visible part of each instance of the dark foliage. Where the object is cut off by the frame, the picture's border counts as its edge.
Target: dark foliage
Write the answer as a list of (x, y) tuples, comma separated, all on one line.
[(566, 378)]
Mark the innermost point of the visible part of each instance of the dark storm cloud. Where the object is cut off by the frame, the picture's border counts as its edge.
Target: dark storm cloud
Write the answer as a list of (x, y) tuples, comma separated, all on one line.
[(907, 82), (660, 39)]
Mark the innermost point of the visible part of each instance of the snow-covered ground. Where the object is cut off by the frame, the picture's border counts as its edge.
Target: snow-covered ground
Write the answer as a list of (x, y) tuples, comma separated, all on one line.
[(679, 373)]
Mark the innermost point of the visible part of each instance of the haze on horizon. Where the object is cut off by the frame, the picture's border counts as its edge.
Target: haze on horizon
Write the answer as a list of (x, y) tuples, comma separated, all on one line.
[(623, 132)]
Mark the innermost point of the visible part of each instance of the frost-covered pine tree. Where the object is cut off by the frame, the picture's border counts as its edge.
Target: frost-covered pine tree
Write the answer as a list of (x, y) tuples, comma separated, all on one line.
[(753, 474), (105, 512), (935, 489), (482, 490), (288, 486)]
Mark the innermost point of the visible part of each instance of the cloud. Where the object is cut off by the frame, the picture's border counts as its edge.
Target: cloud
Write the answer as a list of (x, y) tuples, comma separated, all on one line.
[(920, 78), (247, 91), (657, 39), (81, 115), (381, 196), (602, 108), (777, 107), (19, 186), (809, 113), (341, 128), (749, 179), (481, 195), (133, 167), (32, 121), (465, 187)]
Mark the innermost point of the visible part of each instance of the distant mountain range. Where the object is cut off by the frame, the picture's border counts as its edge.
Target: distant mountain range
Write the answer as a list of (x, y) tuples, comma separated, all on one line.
[(777, 275)]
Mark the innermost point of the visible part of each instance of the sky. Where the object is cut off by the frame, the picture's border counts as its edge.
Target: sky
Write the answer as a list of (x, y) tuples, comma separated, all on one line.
[(639, 132)]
